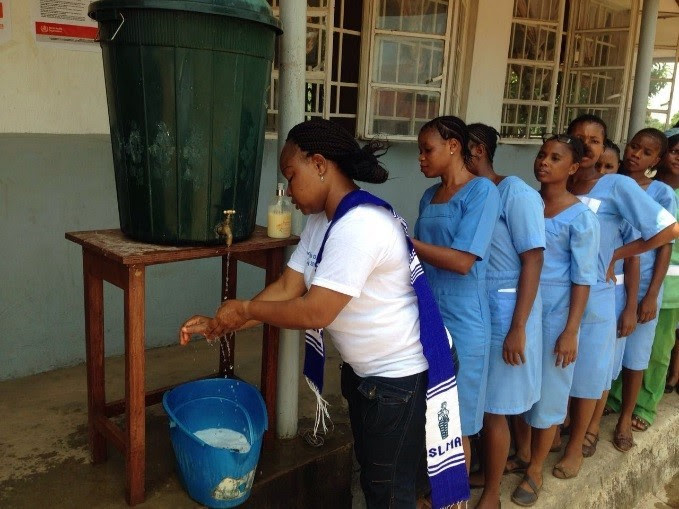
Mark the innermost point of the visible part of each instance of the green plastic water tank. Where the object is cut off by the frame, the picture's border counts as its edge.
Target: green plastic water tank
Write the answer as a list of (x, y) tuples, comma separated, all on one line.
[(186, 84)]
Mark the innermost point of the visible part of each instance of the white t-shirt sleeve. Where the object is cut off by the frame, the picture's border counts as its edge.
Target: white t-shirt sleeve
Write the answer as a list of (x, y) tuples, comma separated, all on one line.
[(355, 247), (300, 256)]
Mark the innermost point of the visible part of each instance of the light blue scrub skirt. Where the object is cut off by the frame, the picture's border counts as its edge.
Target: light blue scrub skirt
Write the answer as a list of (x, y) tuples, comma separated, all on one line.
[(550, 409), (512, 390), (620, 303), (464, 307), (597, 344), (640, 342)]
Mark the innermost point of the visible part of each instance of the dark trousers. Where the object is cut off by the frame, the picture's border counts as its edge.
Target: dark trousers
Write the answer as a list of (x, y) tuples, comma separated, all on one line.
[(387, 420)]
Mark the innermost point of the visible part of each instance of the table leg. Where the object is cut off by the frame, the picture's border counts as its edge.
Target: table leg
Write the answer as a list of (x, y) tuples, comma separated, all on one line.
[(94, 351), (274, 266), (135, 432), (227, 346)]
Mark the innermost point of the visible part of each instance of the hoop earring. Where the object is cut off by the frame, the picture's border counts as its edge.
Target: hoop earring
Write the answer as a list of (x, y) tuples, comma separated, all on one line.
[(322, 178), (650, 172)]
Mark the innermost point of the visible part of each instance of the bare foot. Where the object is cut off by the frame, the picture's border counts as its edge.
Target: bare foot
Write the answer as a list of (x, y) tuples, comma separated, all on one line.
[(488, 501)]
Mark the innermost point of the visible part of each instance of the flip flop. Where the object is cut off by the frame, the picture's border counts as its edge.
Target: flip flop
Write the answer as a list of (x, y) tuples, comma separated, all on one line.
[(526, 498), (563, 472), (639, 424), (623, 443), (588, 450), (519, 465)]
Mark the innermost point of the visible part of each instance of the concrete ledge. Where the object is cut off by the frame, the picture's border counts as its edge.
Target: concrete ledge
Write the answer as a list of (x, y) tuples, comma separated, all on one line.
[(611, 479)]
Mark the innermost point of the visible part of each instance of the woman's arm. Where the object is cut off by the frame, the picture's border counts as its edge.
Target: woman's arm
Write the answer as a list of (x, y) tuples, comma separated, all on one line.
[(444, 257), (529, 280), (566, 347), (648, 307), (641, 246), (289, 285), (628, 317)]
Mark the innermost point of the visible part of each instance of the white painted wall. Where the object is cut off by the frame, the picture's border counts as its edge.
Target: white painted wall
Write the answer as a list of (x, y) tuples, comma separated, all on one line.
[(49, 90)]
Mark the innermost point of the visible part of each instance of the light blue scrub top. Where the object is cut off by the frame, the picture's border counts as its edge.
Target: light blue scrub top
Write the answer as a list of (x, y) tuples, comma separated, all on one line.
[(615, 198), (520, 227), (466, 223), (663, 195), (572, 244)]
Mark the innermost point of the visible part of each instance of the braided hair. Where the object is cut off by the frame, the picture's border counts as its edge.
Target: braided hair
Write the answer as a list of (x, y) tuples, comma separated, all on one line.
[(450, 127), (332, 141), (482, 134)]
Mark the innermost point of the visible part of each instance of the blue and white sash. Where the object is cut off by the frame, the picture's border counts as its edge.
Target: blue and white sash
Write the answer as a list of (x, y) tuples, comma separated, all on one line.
[(445, 456)]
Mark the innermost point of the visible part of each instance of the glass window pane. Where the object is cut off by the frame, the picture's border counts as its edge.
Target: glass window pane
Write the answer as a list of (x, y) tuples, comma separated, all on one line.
[(429, 17), (402, 112), (408, 61)]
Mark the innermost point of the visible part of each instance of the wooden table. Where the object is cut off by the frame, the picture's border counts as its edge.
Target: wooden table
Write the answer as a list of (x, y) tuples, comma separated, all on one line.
[(110, 256)]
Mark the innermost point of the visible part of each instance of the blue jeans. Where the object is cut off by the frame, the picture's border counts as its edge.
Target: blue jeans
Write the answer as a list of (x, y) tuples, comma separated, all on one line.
[(387, 420)]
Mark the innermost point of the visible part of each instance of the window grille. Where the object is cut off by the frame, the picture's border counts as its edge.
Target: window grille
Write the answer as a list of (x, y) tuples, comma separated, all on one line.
[(598, 61), (546, 88), (333, 43), (409, 54), (659, 112)]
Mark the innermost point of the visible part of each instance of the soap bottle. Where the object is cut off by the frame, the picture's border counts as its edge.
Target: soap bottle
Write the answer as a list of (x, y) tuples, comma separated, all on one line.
[(280, 215)]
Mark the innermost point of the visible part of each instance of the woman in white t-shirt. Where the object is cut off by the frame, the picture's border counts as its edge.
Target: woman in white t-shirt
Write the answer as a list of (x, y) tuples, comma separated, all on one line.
[(361, 293)]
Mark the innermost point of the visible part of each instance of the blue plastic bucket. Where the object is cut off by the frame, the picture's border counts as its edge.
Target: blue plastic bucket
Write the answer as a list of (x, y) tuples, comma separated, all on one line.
[(214, 476)]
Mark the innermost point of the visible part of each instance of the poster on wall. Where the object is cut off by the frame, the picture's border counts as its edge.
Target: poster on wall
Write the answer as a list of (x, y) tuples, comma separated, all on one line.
[(5, 22), (65, 24)]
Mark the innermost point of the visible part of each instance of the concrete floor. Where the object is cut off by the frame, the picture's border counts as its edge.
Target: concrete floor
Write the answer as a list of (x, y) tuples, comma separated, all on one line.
[(45, 459)]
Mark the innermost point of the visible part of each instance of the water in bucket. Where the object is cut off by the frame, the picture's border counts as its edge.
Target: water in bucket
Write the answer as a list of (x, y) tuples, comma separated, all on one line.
[(216, 428)]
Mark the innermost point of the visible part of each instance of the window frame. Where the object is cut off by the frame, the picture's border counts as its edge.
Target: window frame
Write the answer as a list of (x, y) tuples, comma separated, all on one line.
[(563, 68), (449, 85)]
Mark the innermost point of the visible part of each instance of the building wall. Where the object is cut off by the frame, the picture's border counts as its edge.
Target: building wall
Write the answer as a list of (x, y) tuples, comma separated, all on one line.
[(56, 175)]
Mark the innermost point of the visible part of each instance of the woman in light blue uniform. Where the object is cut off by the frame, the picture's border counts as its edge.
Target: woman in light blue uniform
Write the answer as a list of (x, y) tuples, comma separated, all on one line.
[(512, 280), (614, 199), (572, 235), (453, 232), (642, 153)]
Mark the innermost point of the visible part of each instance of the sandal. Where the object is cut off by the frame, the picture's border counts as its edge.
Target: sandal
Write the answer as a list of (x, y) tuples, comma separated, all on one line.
[(623, 443), (589, 449), (526, 498), (639, 424), (608, 411), (670, 388), (563, 472), (519, 465)]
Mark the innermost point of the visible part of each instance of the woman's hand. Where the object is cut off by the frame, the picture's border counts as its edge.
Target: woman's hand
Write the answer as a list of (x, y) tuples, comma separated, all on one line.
[(514, 346), (627, 322), (648, 308), (566, 348), (197, 324), (610, 273), (231, 315)]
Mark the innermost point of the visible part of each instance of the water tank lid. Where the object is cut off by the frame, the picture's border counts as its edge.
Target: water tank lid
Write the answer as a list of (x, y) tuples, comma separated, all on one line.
[(258, 11)]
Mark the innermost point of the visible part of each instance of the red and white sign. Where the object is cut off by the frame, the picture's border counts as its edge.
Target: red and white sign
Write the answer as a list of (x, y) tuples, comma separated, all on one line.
[(65, 23), (5, 22)]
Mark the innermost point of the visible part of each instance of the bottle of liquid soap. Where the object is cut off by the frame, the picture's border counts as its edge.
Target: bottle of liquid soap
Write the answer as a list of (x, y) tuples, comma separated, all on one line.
[(280, 215)]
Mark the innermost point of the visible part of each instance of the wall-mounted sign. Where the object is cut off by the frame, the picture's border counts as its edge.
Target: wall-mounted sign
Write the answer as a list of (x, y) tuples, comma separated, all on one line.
[(5, 22), (64, 23)]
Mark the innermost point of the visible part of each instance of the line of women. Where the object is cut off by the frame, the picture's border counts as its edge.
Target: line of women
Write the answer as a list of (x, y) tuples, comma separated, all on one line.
[(534, 286), (528, 284)]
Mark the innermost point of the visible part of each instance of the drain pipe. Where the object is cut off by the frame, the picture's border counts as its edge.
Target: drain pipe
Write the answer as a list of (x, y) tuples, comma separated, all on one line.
[(291, 88), (642, 74)]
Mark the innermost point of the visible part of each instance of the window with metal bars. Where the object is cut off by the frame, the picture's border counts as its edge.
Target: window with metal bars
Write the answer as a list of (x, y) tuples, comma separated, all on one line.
[(333, 44), (567, 58), (412, 47)]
